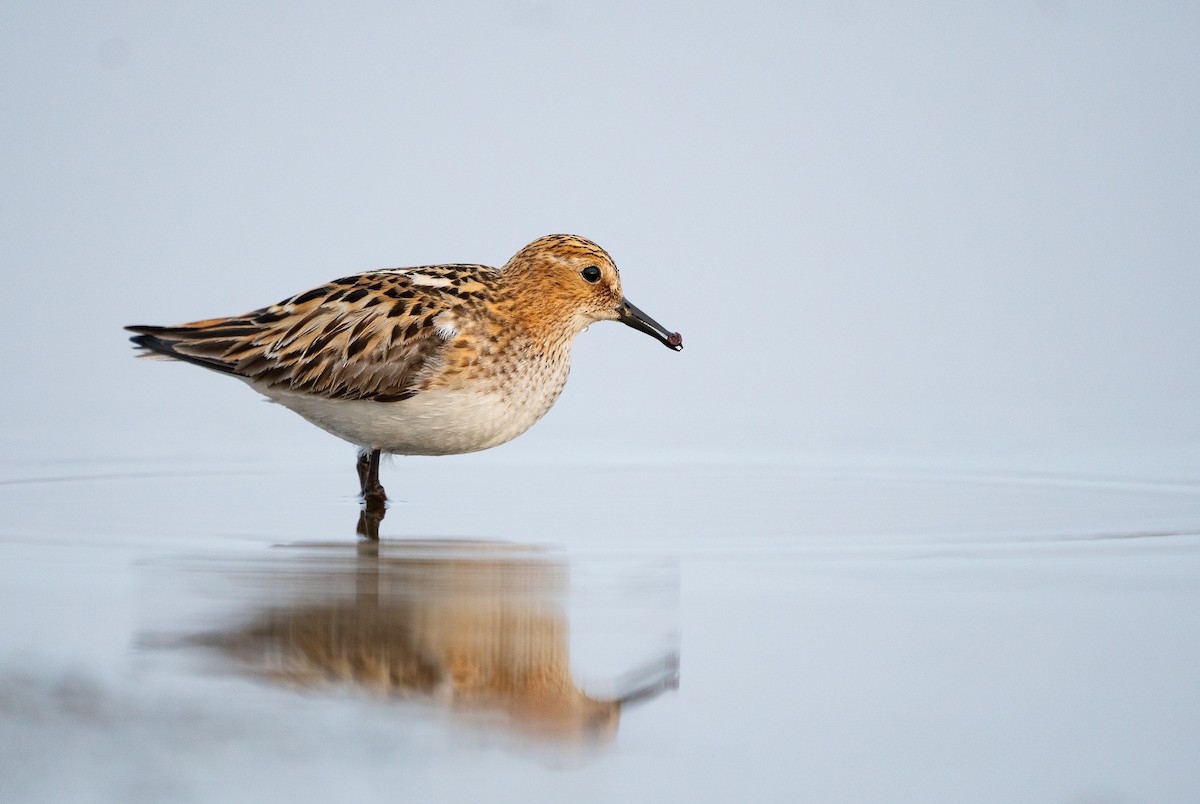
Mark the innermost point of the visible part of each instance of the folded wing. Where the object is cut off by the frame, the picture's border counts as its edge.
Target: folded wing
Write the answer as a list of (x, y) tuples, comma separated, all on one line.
[(368, 336)]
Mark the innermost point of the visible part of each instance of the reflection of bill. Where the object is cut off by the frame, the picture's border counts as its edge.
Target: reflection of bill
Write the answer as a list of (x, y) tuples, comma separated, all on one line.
[(478, 628)]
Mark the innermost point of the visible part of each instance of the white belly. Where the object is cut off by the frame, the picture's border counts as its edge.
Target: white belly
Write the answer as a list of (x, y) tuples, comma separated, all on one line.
[(440, 422)]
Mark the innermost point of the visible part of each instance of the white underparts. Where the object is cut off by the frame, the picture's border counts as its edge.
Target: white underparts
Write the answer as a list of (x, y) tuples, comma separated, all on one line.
[(437, 422)]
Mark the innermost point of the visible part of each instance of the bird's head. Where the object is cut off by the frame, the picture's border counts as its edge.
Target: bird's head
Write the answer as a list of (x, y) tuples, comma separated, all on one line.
[(569, 281)]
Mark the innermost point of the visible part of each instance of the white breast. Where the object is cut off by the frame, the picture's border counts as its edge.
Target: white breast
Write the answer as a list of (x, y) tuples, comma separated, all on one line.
[(435, 422)]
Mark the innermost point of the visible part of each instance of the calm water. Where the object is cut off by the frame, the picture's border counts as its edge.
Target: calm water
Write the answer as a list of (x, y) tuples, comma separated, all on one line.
[(694, 633)]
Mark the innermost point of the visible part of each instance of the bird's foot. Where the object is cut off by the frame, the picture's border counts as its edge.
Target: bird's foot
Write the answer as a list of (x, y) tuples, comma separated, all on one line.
[(373, 496)]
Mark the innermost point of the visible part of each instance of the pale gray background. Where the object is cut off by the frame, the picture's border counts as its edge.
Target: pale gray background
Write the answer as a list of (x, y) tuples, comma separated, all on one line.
[(937, 231), (925, 479)]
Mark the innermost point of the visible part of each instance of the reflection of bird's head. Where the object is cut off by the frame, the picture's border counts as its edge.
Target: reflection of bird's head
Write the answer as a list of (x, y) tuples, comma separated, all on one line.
[(571, 718)]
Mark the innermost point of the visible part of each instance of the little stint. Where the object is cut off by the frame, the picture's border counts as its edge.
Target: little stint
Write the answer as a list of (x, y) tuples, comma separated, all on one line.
[(434, 360)]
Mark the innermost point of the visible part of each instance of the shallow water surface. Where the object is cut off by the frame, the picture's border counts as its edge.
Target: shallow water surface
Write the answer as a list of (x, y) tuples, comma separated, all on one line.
[(679, 632)]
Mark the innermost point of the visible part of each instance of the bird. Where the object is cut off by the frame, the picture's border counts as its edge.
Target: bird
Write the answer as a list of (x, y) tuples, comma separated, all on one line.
[(428, 360)]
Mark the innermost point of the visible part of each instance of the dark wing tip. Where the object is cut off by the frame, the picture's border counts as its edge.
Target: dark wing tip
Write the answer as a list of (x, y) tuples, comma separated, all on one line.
[(149, 340)]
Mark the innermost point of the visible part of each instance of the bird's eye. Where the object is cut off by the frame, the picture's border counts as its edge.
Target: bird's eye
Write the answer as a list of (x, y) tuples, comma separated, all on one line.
[(591, 274)]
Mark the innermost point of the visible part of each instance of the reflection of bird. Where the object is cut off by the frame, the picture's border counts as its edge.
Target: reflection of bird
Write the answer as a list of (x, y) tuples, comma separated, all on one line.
[(480, 629), (435, 360)]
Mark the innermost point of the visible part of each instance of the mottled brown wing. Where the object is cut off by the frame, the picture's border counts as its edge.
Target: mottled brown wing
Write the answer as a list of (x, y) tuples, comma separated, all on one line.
[(366, 336)]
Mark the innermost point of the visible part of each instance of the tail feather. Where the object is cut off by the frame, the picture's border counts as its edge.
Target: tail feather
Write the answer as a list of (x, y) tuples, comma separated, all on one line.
[(165, 342)]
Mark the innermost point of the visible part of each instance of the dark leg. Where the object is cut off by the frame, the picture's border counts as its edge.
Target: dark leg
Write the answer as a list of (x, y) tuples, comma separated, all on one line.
[(374, 497), (364, 468), (368, 478)]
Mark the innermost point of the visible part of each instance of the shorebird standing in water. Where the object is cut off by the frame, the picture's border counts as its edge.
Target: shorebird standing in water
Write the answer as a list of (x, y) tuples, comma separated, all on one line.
[(434, 360)]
